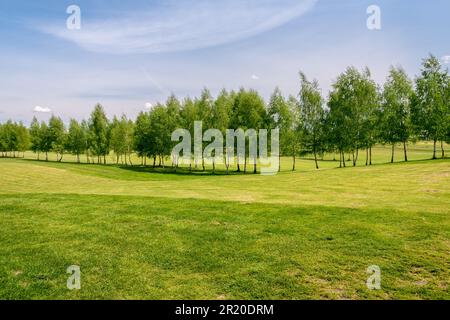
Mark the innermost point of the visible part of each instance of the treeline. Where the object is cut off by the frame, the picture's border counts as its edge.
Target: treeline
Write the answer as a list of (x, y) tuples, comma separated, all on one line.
[(357, 115)]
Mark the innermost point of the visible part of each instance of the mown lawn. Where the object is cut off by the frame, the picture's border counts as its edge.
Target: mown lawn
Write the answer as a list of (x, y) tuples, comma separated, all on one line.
[(304, 235)]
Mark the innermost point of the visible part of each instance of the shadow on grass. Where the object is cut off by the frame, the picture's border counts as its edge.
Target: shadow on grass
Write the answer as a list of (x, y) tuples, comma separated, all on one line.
[(183, 171), (186, 171)]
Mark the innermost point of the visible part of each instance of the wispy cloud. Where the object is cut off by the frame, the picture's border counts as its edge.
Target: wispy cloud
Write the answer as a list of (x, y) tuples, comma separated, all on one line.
[(446, 59), (182, 25), (40, 109), (255, 77)]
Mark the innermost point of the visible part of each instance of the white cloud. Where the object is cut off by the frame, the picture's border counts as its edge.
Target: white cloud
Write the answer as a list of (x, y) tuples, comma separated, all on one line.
[(149, 106), (182, 25), (255, 77), (41, 109), (446, 59)]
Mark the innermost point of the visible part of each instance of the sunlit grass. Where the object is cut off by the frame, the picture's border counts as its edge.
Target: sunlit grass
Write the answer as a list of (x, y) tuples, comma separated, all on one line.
[(137, 233)]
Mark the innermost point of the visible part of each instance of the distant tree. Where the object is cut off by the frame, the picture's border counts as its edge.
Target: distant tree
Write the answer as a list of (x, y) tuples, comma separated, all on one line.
[(221, 117), (46, 139), (36, 136), (430, 102), (280, 117), (447, 98), (3, 142), (129, 139), (395, 124), (10, 138), (57, 136), (117, 142), (23, 138), (144, 142), (188, 116), (312, 117), (160, 133), (294, 134), (340, 119), (121, 138), (369, 100), (76, 142), (249, 112), (352, 103), (89, 140), (99, 132), (204, 108), (173, 110)]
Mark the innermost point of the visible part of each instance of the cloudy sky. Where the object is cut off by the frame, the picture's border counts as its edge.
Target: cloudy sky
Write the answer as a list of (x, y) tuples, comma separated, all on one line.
[(128, 55)]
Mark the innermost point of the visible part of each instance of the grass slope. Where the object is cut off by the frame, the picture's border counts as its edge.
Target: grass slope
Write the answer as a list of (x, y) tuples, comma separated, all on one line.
[(309, 234)]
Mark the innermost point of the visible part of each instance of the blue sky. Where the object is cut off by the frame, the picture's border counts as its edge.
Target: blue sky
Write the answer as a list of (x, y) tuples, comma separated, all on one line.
[(129, 53)]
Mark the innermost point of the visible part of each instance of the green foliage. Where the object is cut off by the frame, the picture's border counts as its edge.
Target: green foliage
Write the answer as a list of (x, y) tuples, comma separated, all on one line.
[(99, 132), (395, 124), (305, 235), (352, 103), (14, 137), (76, 142), (280, 116), (143, 139), (312, 117), (356, 117), (122, 137), (430, 108), (57, 135)]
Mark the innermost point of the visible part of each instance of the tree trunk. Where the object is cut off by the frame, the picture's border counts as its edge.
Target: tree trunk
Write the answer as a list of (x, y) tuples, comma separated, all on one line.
[(393, 150), (434, 150), (343, 160), (315, 159), (255, 167), (293, 163), (245, 165), (442, 148), (340, 159), (129, 159), (355, 161), (78, 158), (46, 156), (370, 156), (367, 157), (227, 164), (405, 151), (279, 163)]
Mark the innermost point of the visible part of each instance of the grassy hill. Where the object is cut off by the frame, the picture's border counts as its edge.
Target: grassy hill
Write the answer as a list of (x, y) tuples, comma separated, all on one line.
[(141, 233)]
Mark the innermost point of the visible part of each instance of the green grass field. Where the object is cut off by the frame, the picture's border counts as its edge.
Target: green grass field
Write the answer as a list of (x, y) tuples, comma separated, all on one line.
[(143, 234)]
